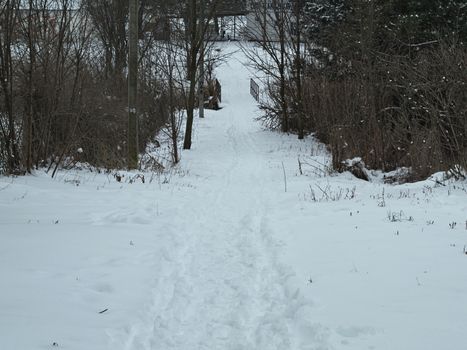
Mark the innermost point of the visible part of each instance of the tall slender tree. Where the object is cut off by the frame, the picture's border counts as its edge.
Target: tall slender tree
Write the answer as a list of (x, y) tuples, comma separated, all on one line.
[(133, 86), (196, 49)]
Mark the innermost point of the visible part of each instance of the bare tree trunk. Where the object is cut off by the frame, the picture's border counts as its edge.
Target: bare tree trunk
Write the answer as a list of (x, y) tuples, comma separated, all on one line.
[(174, 127), (190, 102), (173, 119), (196, 49), (6, 82), (298, 71), (193, 49), (29, 116), (283, 84), (132, 87), (201, 64)]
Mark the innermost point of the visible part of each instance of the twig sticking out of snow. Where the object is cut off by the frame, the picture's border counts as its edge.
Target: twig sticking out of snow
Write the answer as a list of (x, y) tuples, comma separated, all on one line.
[(285, 177)]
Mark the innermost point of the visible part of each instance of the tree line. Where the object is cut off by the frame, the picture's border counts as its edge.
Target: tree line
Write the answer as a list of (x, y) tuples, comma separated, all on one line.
[(384, 80)]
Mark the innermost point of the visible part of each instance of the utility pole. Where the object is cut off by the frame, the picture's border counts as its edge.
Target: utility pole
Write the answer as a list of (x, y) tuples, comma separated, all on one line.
[(201, 60), (133, 87)]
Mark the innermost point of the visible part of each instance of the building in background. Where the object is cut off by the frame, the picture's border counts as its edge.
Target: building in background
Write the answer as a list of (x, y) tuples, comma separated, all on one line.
[(263, 16)]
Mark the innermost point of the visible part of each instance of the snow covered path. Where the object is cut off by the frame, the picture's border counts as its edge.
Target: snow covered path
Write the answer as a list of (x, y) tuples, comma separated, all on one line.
[(230, 292), (216, 255)]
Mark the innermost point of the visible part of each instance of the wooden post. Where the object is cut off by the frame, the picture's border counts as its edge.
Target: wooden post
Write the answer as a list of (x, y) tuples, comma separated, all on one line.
[(133, 87)]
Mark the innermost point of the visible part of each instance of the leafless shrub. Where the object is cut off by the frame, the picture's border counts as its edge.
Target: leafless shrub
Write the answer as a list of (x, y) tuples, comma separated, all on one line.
[(398, 216), (412, 112), (315, 167), (328, 194)]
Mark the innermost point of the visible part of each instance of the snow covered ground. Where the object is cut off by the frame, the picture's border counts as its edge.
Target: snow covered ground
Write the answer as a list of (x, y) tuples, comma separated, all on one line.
[(222, 253)]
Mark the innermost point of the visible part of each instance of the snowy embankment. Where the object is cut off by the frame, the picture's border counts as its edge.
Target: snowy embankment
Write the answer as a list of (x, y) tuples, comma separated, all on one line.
[(222, 253)]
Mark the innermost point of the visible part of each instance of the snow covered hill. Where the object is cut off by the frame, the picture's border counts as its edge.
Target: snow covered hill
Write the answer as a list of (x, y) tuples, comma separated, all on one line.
[(234, 249)]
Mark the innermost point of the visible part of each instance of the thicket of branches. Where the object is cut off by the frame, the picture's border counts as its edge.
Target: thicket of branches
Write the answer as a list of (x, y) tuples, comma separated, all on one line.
[(381, 80), (64, 96), (63, 79), (278, 56)]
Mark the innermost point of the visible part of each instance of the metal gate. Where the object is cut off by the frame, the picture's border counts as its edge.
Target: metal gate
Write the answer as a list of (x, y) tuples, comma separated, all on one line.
[(254, 90)]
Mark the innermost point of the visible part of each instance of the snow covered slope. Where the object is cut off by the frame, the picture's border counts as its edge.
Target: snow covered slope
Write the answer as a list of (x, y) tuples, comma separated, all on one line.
[(226, 253)]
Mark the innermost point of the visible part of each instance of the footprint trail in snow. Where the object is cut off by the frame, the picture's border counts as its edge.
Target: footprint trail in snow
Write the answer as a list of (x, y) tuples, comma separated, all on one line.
[(223, 288)]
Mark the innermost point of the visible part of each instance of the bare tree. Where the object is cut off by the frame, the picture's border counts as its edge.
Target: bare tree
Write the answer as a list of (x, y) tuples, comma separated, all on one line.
[(133, 86), (8, 19), (269, 56), (196, 48), (110, 18)]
